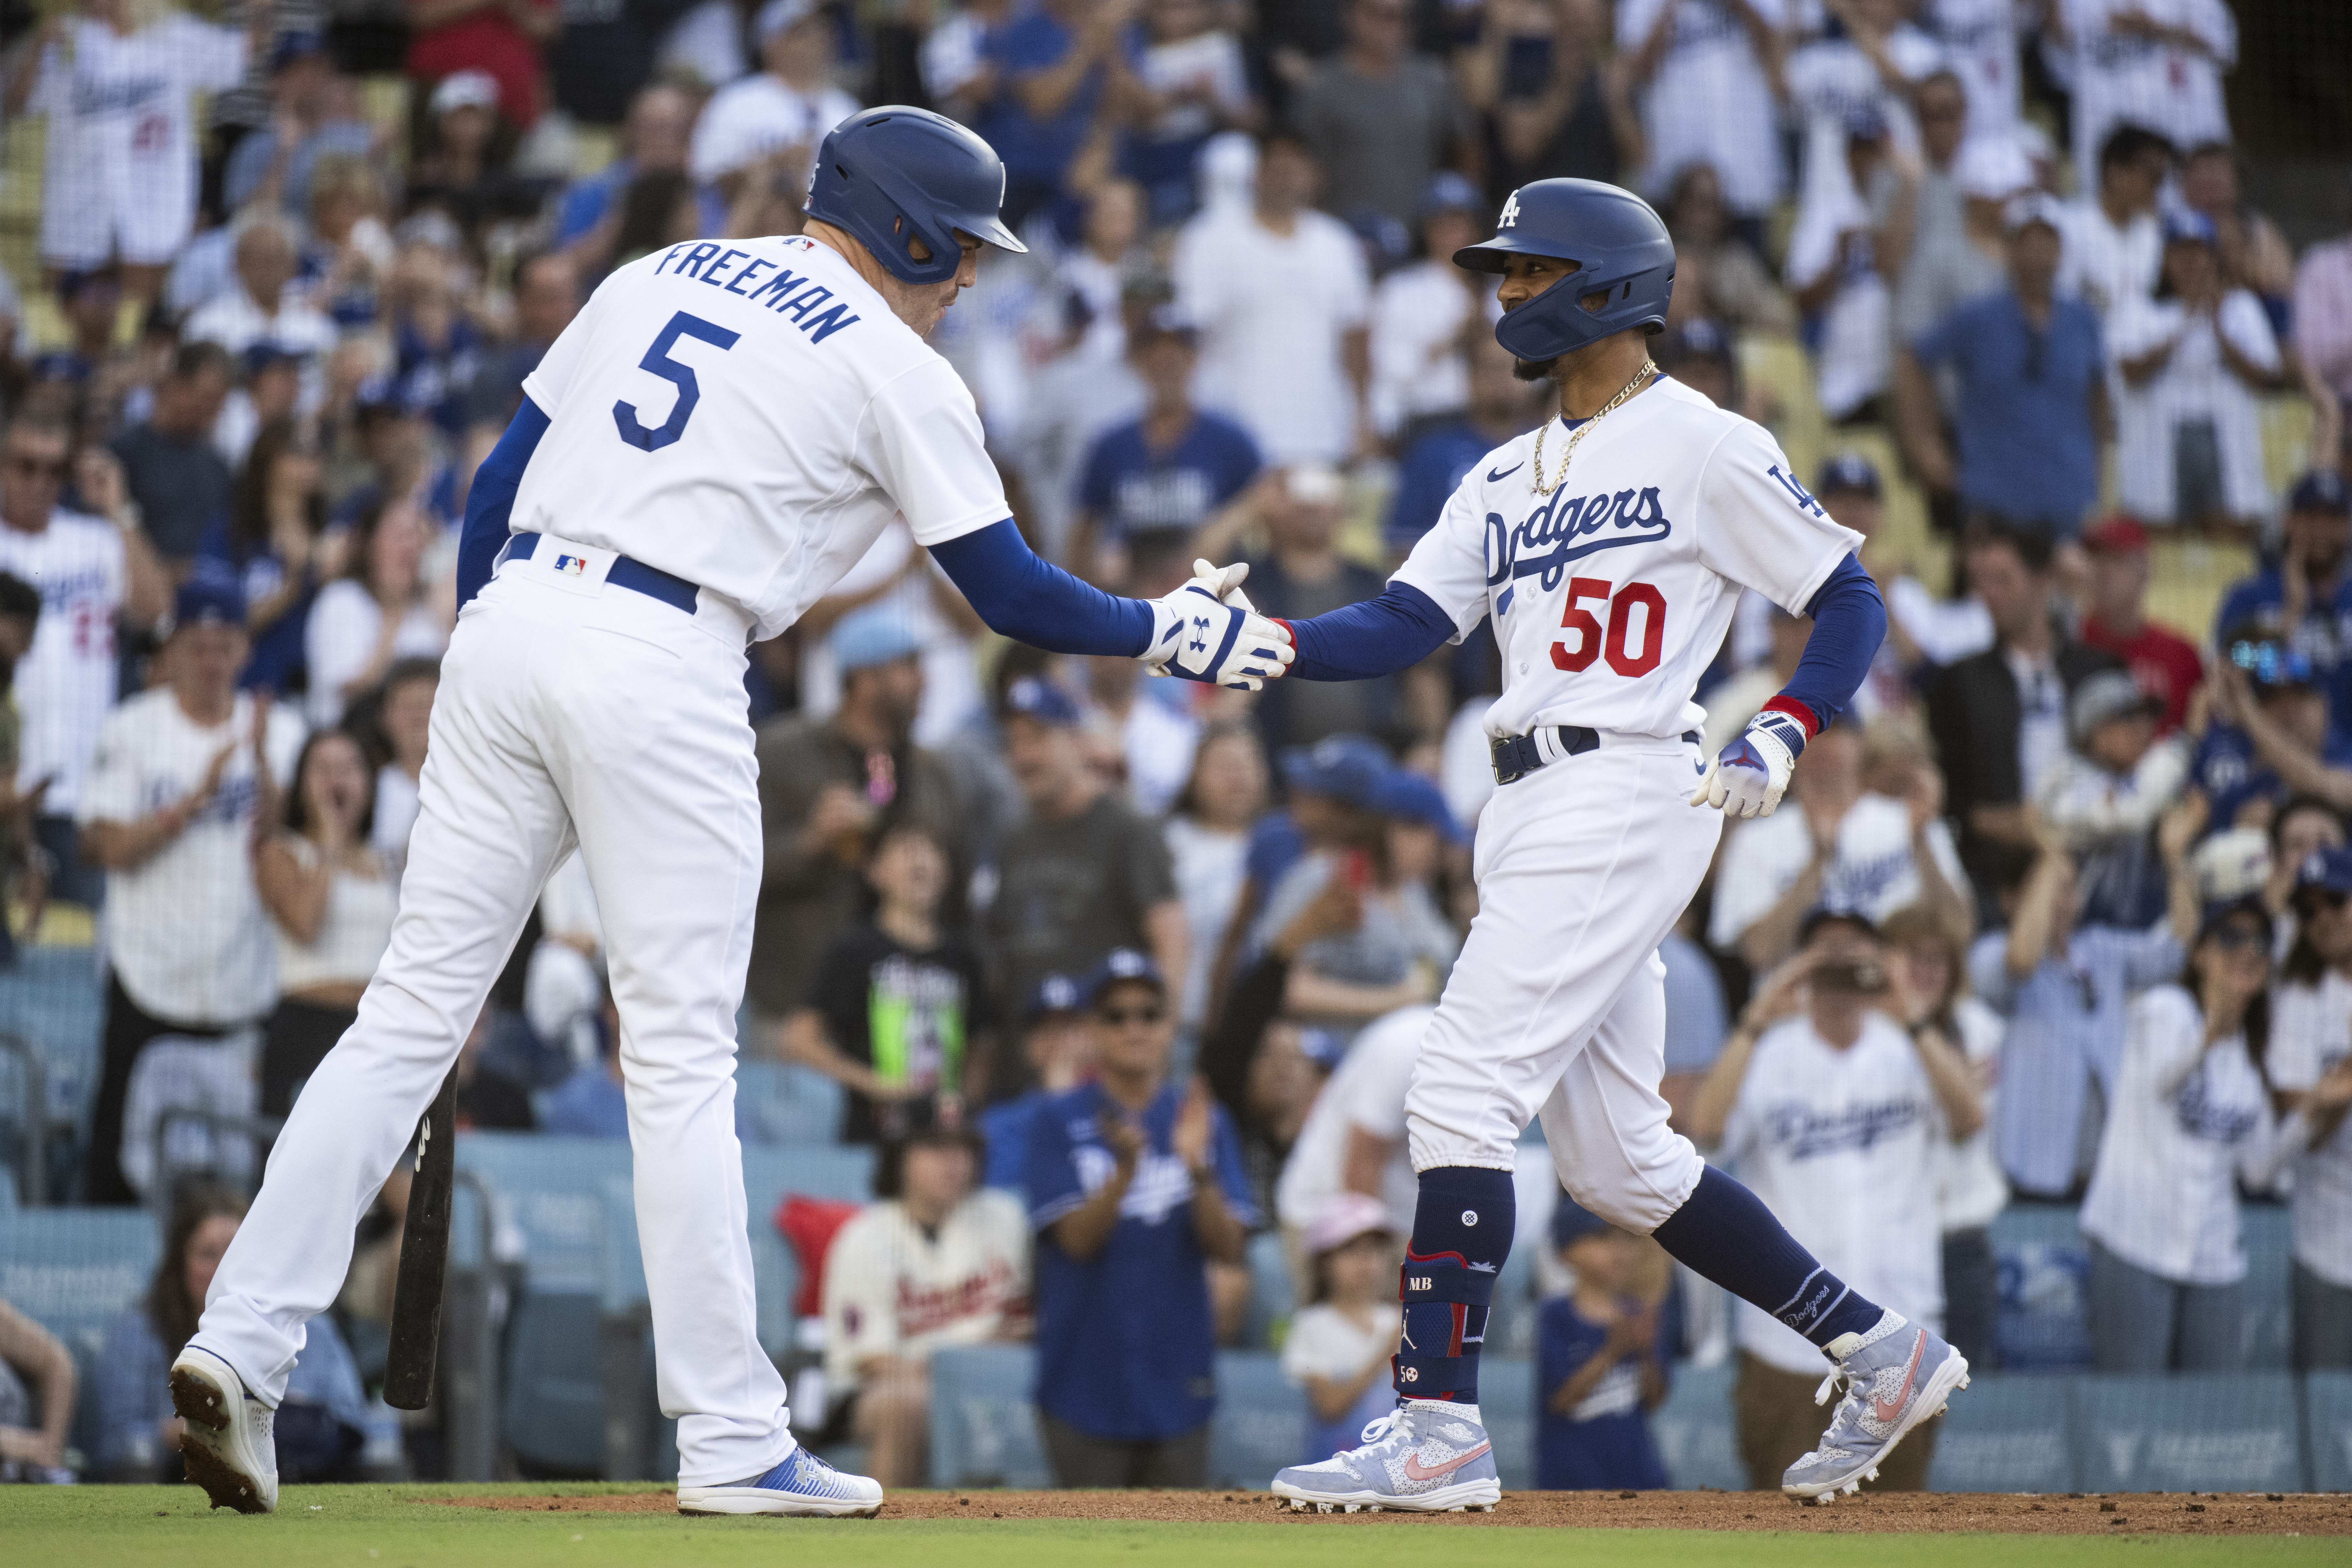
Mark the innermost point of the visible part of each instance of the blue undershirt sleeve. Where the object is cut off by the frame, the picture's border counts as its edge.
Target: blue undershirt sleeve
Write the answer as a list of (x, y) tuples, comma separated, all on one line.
[(1849, 622), (490, 502), (1372, 637), (1032, 601)]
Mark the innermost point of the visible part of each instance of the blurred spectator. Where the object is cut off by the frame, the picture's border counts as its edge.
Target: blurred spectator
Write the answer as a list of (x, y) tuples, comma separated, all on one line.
[(1971, 1191), (1085, 874), (1163, 479), (2167, 665), (1331, 787), (403, 719), (1190, 82), (498, 37), (2322, 325), (1921, 628), (1091, 279), (1834, 268), (37, 1400), (1708, 72), (177, 478), (309, 118), (462, 152), (781, 111), (2306, 596), (487, 1097), (827, 787), (2103, 796), (24, 871), (653, 141), (320, 1424), (1696, 1022), (2189, 442), (269, 387), (1718, 275), (1847, 848), (380, 610), (1056, 68), (1501, 407), (1352, 1142), (185, 774), (1340, 1343), (1302, 574), (1141, 737), (1838, 1120), (591, 1102), (2153, 63), (1979, 40), (1057, 1048), (116, 85), (2031, 391), (1548, 106), (272, 542), (1207, 832), (1941, 246), (262, 305), (2254, 254), (437, 344), (960, 61), (2191, 1108), (1279, 293), (1380, 119), (2309, 1071), (1135, 1186), (896, 586), (933, 1264), (2268, 738), (330, 900), (90, 298), (2115, 243), (88, 570), (1600, 1363), (2303, 828), (1421, 314), (897, 1010), (547, 296), (2000, 716)]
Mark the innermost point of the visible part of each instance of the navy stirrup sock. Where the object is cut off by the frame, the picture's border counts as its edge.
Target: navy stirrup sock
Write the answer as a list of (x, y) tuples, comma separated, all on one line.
[(1460, 1235), (1725, 1234)]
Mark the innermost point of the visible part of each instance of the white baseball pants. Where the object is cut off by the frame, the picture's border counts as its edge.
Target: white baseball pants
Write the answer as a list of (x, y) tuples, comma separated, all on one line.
[(1557, 1006), (569, 711)]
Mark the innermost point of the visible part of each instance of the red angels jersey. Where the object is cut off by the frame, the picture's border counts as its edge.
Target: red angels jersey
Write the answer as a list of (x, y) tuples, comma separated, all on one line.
[(1610, 596)]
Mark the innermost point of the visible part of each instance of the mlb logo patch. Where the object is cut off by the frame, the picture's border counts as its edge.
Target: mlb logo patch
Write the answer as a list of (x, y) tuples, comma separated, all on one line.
[(572, 565)]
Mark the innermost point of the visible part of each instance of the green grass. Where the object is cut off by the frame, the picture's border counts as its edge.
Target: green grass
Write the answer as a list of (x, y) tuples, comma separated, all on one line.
[(385, 1526)]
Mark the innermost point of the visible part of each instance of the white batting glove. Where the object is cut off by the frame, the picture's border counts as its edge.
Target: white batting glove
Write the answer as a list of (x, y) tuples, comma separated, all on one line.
[(1224, 581), (1748, 777), (1199, 637)]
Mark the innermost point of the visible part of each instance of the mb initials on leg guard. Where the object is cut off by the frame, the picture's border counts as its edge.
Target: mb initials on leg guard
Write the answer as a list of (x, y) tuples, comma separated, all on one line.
[(1461, 1236)]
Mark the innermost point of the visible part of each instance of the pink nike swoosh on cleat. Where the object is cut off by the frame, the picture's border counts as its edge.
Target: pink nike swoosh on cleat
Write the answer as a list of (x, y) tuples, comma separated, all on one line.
[(1886, 1413), (1415, 1471)]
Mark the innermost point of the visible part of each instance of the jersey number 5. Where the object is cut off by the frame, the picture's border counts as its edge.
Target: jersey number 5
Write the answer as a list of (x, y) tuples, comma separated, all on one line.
[(680, 375), (1592, 643)]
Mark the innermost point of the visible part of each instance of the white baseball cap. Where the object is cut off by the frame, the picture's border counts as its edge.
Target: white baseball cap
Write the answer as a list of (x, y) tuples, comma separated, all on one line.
[(1343, 1217), (465, 90), (1994, 169), (778, 14)]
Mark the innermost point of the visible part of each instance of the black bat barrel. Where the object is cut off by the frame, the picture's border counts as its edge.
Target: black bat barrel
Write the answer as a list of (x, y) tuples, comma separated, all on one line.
[(424, 1256)]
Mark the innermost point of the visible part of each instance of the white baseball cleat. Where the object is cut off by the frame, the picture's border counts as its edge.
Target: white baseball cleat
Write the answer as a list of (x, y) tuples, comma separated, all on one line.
[(228, 1445), (802, 1484), (1897, 1376), (1429, 1457)]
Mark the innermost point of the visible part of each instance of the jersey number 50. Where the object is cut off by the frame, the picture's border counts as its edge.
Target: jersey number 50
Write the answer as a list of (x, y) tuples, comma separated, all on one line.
[(678, 374), (1591, 642)]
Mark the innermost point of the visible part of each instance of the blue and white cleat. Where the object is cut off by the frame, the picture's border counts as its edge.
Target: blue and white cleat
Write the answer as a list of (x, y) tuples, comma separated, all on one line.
[(1430, 1456), (802, 1484), (227, 1443), (1897, 1376)]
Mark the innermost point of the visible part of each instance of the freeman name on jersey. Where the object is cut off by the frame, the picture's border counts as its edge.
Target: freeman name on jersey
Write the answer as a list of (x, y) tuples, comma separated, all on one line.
[(789, 293)]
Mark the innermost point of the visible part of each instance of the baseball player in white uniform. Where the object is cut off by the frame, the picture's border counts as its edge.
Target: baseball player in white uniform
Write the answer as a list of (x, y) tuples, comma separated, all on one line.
[(724, 429), (1608, 548)]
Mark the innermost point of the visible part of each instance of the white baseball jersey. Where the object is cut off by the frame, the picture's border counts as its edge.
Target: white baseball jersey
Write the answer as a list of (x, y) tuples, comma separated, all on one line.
[(1367, 1091), (2310, 1033), (2124, 77), (1871, 868), (1710, 101), (748, 120), (1979, 43), (1842, 1146), (185, 928), (747, 415), (1610, 595), (121, 173), (66, 683), (892, 1290)]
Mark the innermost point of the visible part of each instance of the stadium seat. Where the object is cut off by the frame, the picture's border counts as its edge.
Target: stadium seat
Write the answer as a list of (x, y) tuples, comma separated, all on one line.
[(1273, 1299), (2189, 1432), (781, 1104), (2266, 1233), (2327, 1429), (1261, 1420), (1506, 1399), (844, 1172), (8, 1192), (1695, 1432), (983, 1428), (2043, 1262), (53, 998), (2009, 1434), (72, 1271)]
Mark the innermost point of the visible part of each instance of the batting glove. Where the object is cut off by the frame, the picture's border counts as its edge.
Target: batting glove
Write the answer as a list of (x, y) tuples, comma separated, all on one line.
[(1199, 637), (1748, 777)]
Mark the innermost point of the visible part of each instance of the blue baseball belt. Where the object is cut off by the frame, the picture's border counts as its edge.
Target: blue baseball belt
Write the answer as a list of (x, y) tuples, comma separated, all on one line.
[(650, 581), (1517, 755)]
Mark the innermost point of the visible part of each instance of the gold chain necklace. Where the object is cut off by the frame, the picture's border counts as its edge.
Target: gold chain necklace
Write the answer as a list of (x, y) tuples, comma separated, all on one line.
[(1649, 369)]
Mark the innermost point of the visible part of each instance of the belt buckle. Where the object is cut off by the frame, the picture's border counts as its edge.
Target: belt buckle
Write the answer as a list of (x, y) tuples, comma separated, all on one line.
[(1511, 751)]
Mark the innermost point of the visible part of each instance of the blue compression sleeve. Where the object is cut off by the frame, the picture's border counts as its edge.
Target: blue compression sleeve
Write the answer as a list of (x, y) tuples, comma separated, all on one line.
[(1372, 637), (1849, 622), (1034, 601), (490, 501)]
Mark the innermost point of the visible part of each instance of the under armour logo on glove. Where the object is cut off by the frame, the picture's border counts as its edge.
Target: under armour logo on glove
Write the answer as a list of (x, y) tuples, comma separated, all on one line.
[(1749, 775), (1235, 647)]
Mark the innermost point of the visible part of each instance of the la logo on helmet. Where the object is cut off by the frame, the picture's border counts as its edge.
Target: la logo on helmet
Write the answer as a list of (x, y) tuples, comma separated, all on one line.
[(1510, 211)]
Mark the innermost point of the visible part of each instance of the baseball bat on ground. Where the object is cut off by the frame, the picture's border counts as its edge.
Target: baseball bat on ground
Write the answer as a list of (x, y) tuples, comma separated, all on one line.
[(424, 1256)]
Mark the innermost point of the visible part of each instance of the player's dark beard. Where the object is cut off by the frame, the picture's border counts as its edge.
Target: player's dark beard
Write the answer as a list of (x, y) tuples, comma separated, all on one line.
[(1533, 370)]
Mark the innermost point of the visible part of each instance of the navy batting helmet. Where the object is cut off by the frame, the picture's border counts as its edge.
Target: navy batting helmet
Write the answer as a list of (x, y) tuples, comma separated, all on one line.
[(894, 175), (1621, 250)]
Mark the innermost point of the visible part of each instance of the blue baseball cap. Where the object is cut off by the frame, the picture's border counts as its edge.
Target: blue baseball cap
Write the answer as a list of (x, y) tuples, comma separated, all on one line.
[(1123, 963), (1055, 993), (208, 598), (263, 353), (2328, 869), (1323, 1047), (1347, 768), (1032, 696), (1572, 1222), (1848, 471), (1448, 191), (300, 45), (879, 636), (2219, 910), (2321, 490), (2187, 224), (1406, 795)]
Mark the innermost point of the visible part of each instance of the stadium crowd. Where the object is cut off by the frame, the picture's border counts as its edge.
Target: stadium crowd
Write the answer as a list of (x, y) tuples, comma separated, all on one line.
[(1114, 972)]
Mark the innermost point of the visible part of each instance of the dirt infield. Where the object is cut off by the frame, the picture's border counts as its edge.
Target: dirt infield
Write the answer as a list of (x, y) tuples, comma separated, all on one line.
[(2132, 1514)]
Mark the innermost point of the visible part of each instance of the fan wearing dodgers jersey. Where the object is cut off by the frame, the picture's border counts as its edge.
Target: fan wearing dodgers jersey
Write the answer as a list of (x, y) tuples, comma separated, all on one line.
[(1608, 548), (717, 436)]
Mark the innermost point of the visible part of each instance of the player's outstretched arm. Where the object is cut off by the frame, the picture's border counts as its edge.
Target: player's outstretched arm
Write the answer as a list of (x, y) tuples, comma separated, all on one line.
[(1748, 777), (1372, 637), (490, 501)]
